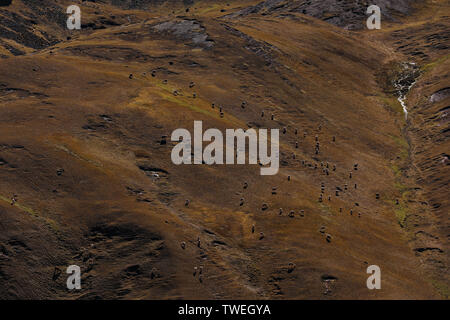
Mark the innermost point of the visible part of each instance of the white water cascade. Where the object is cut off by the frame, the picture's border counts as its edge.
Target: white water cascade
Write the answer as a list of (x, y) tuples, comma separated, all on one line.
[(405, 82)]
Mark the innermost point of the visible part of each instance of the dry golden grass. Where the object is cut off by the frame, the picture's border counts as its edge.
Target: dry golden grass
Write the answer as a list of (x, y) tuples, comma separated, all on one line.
[(80, 112)]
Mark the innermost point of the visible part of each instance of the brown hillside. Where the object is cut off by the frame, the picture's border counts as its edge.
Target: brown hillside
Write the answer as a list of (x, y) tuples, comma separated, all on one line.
[(82, 120)]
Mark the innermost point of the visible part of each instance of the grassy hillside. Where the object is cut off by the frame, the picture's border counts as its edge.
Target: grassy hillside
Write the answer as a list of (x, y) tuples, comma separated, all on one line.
[(82, 119)]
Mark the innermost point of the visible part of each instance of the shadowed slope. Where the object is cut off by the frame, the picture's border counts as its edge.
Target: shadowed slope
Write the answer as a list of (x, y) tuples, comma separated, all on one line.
[(82, 124)]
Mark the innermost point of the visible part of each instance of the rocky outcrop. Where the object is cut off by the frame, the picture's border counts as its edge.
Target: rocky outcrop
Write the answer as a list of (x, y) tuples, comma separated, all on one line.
[(349, 14)]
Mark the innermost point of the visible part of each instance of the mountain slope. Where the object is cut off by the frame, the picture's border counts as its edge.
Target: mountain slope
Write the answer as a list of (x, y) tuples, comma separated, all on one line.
[(82, 125)]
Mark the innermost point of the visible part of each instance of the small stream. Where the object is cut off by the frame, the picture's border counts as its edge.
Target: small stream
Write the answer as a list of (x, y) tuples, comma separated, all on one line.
[(406, 80)]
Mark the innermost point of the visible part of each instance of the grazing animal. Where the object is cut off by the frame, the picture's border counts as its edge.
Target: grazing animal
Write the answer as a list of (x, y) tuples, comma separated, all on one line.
[(154, 273), (291, 267), (13, 199)]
